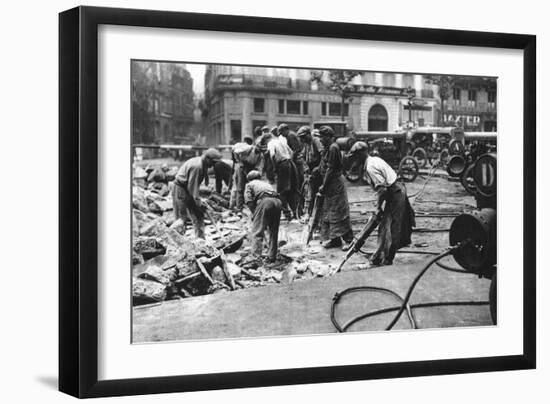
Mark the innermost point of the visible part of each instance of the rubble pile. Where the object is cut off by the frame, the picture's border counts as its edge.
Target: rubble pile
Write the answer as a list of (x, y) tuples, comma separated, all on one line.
[(169, 262)]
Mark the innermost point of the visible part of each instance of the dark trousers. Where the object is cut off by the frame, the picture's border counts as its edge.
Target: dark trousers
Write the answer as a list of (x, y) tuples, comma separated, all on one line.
[(266, 217), (287, 187), (185, 206)]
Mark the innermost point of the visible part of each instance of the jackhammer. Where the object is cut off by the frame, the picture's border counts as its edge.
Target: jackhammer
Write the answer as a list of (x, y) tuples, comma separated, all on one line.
[(359, 240)]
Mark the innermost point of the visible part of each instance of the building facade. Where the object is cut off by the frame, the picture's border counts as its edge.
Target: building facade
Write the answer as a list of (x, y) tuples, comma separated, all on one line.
[(471, 103), (163, 103), (240, 98)]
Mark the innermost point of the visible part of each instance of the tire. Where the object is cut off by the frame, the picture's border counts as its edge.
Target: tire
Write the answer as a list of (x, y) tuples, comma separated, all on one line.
[(421, 157), (456, 166), (467, 180), (493, 298), (408, 169)]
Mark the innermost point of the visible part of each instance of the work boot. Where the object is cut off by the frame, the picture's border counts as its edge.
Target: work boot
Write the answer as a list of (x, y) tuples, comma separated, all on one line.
[(335, 242)]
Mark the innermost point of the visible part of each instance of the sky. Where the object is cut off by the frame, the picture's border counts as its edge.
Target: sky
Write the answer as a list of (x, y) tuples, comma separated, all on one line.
[(197, 73)]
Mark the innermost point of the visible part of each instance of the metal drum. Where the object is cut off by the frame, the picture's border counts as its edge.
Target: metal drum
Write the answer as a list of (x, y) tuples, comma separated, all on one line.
[(456, 165), (477, 231), (485, 174)]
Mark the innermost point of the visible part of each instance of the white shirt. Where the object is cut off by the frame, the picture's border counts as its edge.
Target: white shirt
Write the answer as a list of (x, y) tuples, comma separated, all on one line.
[(279, 149), (380, 174)]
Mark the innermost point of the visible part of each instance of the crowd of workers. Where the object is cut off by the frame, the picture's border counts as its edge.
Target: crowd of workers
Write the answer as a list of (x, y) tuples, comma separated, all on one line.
[(279, 172)]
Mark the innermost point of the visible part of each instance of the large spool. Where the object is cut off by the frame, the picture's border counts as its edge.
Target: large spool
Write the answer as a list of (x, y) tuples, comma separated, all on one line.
[(456, 165), (477, 232), (485, 174)]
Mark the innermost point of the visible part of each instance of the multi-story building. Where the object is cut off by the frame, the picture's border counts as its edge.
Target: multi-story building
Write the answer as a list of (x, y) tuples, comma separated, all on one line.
[(163, 105), (471, 102), (240, 98)]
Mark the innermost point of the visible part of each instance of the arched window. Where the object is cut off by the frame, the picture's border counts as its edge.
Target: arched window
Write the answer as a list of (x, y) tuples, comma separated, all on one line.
[(378, 118)]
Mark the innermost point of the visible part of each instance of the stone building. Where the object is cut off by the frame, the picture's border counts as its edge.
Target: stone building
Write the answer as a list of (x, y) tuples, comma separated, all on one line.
[(239, 98), (163, 104), (471, 103)]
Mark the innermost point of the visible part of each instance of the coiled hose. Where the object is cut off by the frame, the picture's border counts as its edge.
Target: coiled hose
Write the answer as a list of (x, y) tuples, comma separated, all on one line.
[(404, 301)]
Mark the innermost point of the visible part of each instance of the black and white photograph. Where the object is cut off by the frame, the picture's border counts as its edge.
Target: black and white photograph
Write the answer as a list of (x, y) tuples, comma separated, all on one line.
[(272, 201)]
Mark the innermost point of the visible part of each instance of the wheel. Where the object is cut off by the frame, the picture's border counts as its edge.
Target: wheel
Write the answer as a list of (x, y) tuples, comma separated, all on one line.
[(467, 180), (493, 298), (421, 157), (408, 169), (444, 157), (456, 148)]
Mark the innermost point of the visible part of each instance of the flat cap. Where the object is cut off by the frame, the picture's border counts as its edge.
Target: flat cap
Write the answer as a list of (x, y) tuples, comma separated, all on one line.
[(326, 131), (213, 154), (253, 175), (282, 127), (304, 130)]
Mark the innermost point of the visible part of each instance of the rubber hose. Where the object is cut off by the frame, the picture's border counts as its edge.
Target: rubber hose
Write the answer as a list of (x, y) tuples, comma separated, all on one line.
[(414, 306)]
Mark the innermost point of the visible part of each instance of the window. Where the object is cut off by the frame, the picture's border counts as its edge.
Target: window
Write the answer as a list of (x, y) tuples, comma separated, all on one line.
[(323, 108), (456, 96), (334, 109), (281, 106), (235, 131), (293, 107), (472, 94), (259, 104), (492, 98), (378, 118), (305, 107)]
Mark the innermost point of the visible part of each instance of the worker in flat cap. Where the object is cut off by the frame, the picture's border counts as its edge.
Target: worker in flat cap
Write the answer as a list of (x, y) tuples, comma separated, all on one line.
[(355, 158), (185, 194), (265, 205), (245, 158), (313, 151), (284, 168), (335, 222)]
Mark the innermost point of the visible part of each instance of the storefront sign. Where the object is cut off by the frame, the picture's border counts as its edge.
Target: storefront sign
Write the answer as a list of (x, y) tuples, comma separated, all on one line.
[(376, 90), (462, 120)]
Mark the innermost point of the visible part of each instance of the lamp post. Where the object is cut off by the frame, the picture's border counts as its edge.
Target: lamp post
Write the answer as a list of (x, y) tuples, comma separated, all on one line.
[(411, 93)]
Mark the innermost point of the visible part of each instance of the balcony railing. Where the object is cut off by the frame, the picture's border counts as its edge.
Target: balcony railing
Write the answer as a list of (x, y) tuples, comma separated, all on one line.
[(259, 83), (478, 107)]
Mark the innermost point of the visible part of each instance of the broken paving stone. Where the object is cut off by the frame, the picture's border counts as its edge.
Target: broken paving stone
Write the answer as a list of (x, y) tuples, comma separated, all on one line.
[(137, 259), (157, 274), (147, 291), (148, 247), (233, 269), (153, 228), (139, 173), (159, 188), (178, 226), (218, 275), (157, 175)]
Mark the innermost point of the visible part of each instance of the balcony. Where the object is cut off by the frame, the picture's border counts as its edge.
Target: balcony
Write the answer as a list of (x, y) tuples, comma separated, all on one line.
[(465, 109), (251, 82)]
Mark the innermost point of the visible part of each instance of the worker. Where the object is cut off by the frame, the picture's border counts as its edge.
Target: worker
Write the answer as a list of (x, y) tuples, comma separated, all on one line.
[(246, 158), (356, 157), (335, 221), (297, 148), (313, 150), (222, 173), (185, 194), (397, 215), (286, 174), (265, 205)]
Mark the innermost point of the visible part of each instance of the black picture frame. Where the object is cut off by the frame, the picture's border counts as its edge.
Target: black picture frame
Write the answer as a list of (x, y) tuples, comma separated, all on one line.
[(78, 196)]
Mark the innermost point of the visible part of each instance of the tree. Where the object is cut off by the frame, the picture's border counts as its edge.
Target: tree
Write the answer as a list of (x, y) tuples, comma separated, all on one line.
[(445, 84), (339, 81)]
